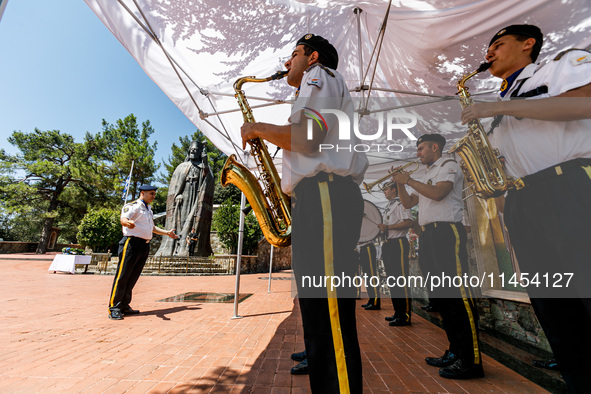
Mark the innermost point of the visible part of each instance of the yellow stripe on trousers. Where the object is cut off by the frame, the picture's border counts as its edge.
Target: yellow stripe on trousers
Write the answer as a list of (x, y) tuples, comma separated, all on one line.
[(371, 270), (587, 170), (119, 272), (465, 299), (333, 306), (404, 274)]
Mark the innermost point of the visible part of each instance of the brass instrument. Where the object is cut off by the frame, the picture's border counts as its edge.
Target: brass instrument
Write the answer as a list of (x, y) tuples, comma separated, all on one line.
[(369, 186), (480, 161), (270, 204)]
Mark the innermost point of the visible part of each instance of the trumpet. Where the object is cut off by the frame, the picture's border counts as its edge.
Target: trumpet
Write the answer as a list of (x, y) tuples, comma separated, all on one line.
[(369, 186)]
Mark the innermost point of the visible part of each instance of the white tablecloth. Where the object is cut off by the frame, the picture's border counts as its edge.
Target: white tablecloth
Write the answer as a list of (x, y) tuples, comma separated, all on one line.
[(67, 262)]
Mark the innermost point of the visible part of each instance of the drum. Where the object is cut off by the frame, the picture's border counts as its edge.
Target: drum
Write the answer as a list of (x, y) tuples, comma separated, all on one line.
[(371, 218)]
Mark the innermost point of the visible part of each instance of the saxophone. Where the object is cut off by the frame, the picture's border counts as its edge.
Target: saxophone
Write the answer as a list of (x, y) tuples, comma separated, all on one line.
[(480, 161), (270, 204)]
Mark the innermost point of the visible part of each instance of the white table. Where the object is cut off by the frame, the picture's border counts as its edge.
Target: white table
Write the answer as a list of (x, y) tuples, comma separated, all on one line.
[(67, 262)]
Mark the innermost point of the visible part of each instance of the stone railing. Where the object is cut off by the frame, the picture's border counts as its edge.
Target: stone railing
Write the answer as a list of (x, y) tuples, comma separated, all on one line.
[(29, 247)]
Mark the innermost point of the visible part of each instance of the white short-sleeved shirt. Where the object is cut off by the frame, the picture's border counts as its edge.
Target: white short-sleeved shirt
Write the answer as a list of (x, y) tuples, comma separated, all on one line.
[(142, 216), (321, 90), (451, 208), (396, 213), (531, 145)]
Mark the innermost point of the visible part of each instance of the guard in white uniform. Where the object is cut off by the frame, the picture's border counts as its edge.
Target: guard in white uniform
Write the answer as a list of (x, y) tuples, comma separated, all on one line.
[(397, 221), (327, 211), (546, 141), (443, 252), (138, 225)]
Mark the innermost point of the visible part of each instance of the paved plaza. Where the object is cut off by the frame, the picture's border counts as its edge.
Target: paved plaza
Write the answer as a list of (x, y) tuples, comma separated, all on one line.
[(56, 337)]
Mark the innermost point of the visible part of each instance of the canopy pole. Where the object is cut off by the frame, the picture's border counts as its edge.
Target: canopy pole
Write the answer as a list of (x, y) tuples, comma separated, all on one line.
[(239, 257), (358, 12), (270, 268)]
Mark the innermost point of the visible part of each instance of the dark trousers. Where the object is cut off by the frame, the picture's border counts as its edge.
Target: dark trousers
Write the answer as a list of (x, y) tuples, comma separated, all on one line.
[(367, 260), (327, 216), (548, 223), (395, 256), (192, 245), (443, 252), (133, 253)]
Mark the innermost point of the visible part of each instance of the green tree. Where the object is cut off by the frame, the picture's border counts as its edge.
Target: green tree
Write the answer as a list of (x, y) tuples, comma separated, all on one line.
[(49, 165), (100, 230), (226, 221), (125, 143)]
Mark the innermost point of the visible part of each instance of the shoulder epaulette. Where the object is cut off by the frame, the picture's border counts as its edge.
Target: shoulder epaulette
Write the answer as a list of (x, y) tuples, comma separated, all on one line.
[(328, 70), (447, 161), (561, 54)]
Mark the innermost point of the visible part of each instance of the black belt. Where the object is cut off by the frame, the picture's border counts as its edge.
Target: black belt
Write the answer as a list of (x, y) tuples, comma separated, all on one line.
[(330, 177), (551, 172), (429, 226), (140, 238), (395, 239)]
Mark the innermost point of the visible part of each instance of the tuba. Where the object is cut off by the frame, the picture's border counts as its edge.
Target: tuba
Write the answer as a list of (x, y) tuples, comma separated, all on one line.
[(480, 161), (271, 206)]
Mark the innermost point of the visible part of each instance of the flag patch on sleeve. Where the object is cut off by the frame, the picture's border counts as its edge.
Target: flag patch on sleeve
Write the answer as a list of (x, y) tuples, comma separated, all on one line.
[(315, 82), (581, 59)]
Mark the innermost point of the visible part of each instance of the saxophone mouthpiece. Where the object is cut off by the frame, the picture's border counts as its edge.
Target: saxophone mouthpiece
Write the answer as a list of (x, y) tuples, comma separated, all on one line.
[(484, 67), (279, 74)]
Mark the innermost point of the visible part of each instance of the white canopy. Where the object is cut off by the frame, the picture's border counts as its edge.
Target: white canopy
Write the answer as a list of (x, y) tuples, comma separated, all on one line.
[(195, 50)]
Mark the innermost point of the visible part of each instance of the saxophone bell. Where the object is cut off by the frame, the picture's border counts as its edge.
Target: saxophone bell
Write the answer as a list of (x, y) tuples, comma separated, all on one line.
[(270, 205), (480, 162)]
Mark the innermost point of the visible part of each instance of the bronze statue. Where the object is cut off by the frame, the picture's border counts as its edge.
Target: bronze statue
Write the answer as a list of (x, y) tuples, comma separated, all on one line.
[(189, 206)]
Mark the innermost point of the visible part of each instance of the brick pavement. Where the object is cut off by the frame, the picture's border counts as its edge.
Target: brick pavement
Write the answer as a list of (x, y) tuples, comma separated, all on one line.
[(55, 337)]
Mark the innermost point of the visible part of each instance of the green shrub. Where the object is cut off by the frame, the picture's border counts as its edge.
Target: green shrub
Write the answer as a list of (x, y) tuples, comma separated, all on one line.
[(226, 221), (100, 230)]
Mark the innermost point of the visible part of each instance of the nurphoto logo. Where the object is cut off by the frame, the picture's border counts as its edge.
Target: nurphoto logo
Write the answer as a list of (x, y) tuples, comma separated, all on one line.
[(387, 126)]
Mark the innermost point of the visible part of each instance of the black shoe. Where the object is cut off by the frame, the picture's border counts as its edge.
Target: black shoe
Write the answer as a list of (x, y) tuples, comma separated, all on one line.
[(301, 356), (399, 322), (448, 358), (389, 318), (373, 307), (300, 369), (115, 314), (462, 370), (129, 311), (550, 364), (429, 308), (366, 305)]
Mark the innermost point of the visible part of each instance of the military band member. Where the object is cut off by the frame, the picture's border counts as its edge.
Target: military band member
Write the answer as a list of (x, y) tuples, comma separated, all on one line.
[(137, 220), (443, 251), (327, 213), (367, 260), (395, 253), (546, 142)]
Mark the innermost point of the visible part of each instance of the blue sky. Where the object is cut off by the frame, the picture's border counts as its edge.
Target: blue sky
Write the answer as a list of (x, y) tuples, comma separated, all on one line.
[(62, 69)]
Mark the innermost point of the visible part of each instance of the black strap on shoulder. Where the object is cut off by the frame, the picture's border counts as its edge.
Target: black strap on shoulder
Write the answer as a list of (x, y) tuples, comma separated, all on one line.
[(530, 93)]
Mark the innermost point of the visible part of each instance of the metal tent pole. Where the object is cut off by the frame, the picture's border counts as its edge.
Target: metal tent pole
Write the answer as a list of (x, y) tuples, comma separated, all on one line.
[(270, 267), (239, 257)]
